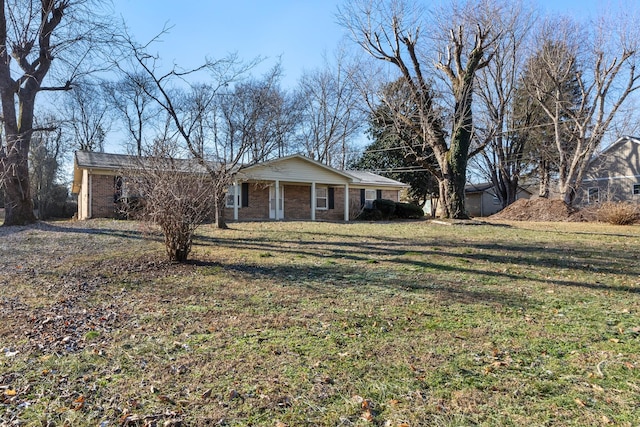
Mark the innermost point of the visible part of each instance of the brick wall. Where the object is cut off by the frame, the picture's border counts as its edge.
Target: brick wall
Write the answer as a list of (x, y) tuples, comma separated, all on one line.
[(297, 203), (258, 208), (337, 213), (103, 189), (390, 195)]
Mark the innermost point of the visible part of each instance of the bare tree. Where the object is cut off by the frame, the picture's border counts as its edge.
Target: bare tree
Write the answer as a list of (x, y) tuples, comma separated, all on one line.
[(45, 157), (87, 117), (133, 105), (33, 35), (391, 31), (190, 108), (257, 116), (603, 60), (331, 112), (500, 114)]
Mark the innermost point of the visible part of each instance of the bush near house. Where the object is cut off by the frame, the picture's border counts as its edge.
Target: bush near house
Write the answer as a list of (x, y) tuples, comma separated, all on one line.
[(618, 213), (409, 211), (384, 209)]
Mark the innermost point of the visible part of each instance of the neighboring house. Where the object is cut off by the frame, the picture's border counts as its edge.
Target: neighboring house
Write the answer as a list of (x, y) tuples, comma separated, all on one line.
[(481, 199), (303, 188), (613, 174)]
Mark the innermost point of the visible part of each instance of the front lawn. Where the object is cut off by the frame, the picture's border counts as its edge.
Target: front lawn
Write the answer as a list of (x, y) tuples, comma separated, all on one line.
[(321, 324)]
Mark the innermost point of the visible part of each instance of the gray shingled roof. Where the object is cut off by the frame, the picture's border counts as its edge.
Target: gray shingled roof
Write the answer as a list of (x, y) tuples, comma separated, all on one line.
[(108, 161), (115, 162), (362, 177), (93, 160)]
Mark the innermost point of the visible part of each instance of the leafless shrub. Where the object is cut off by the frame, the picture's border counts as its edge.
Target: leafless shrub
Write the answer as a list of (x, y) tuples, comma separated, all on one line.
[(174, 194), (355, 208), (618, 213)]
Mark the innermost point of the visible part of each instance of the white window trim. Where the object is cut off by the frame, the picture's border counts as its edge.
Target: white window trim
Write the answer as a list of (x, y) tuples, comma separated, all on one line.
[(230, 193), (597, 195), (325, 198), (368, 202)]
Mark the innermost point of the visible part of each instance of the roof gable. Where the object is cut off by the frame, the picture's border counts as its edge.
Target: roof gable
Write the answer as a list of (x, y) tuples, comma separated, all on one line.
[(622, 158), (295, 168)]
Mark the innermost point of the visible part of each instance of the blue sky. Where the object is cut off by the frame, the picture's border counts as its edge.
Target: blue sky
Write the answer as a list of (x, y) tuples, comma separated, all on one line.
[(300, 31)]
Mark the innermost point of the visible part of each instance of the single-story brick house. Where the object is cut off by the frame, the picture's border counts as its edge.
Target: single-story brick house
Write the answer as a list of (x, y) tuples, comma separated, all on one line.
[(613, 174), (304, 189)]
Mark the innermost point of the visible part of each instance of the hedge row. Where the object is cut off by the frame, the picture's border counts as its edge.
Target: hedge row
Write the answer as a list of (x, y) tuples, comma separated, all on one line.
[(384, 209)]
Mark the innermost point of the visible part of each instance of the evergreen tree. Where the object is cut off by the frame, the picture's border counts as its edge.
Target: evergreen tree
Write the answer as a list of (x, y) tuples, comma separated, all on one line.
[(539, 90), (398, 152)]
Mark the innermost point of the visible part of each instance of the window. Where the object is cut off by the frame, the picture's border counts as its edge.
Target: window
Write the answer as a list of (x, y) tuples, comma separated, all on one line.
[(636, 189), (231, 195), (593, 195), (322, 198), (369, 197)]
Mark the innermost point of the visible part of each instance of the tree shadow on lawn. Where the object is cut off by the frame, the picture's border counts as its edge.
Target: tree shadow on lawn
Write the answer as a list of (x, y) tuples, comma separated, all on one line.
[(71, 227), (327, 273), (494, 254), (327, 279)]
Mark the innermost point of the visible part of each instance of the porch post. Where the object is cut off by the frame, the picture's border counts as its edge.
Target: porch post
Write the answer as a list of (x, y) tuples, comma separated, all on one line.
[(346, 202), (235, 200), (277, 201), (313, 201)]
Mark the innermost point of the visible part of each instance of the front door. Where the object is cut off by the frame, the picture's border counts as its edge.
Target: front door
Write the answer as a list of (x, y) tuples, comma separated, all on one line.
[(272, 202)]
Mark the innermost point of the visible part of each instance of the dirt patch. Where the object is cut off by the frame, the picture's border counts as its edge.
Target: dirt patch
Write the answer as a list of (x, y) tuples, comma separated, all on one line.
[(540, 209)]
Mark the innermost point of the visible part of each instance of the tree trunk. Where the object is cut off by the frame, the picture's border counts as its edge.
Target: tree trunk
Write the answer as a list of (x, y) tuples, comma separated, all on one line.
[(545, 180), (219, 213), (18, 203), (452, 197), (454, 163), (14, 159), (512, 191)]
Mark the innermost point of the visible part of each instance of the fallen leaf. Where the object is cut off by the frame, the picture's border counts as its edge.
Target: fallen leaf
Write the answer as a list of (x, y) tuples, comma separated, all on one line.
[(367, 416), (207, 394), (10, 392), (367, 404), (78, 403), (580, 403), (280, 424), (167, 399)]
